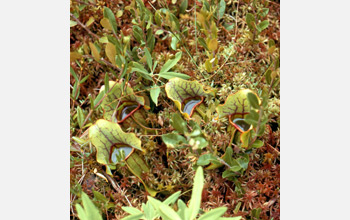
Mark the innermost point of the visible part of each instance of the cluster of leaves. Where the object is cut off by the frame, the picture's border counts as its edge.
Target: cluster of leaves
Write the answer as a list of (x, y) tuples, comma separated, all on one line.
[(145, 43), (194, 139), (155, 208), (253, 21)]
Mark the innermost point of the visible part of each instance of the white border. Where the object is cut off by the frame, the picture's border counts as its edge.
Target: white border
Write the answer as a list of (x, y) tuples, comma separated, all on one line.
[(34, 109), (315, 110)]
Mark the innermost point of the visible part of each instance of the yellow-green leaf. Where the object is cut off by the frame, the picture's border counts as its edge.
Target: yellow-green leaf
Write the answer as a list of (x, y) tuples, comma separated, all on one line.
[(94, 52), (208, 66), (253, 100), (119, 13), (105, 23), (180, 91), (201, 19), (137, 166), (213, 44), (257, 144), (236, 104), (80, 116), (105, 134), (75, 56), (271, 50), (173, 140), (246, 137), (111, 52), (170, 63), (90, 21), (155, 91), (73, 23)]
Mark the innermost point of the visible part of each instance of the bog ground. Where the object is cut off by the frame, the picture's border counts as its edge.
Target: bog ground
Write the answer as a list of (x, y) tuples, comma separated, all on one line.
[(175, 109)]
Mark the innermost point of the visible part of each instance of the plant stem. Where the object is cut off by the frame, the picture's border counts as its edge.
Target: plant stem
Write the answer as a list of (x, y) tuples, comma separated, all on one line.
[(223, 162), (236, 28), (195, 26), (187, 51), (261, 111)]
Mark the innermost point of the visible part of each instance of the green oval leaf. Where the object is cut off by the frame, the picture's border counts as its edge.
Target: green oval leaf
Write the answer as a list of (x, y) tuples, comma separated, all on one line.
[(222, 7), (159, 32), (80, 116), (178, 123), (262, 25), (173, 140), (206, 159), (148, 58), (227, 157), (253, 100), (154, 92), (257, 144), (174, 42), (203, 43), (170, 63), (183, 6), (74, 74), (264, 12), (111, 18), (250, 19)]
